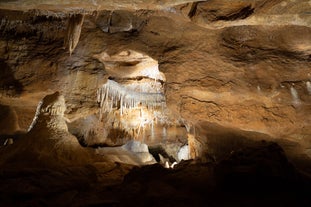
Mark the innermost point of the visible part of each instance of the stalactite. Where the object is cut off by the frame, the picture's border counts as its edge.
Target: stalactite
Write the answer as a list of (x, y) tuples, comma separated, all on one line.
[(112, 93), (308, 84), (164, 133), (73, 31), (120, 103), (295, 96), (152, 131)]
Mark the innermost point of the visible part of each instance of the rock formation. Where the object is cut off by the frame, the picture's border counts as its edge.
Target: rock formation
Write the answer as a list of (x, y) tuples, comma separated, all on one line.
[(190, 79), (74, 27), (48, 141), (133, 152), (217, 64)]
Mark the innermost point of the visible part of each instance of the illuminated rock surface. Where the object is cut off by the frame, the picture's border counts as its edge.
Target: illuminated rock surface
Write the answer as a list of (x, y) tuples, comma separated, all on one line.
[(207, 80), (47, 142)]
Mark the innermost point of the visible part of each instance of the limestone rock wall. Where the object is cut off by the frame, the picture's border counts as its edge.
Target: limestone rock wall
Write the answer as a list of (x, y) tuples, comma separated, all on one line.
[(223, 63)]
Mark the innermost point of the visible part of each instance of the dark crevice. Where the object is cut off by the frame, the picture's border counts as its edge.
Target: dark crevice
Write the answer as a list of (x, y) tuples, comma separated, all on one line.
[(193, 9), (7, 79), (137, 78), (241, 14), (156, 151), (130, 63)]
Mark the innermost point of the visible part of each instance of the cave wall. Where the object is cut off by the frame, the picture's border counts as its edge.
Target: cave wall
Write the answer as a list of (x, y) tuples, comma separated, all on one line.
[(245, 73)]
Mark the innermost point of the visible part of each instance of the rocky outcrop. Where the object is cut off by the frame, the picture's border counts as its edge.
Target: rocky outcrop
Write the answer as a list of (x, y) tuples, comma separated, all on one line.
[(133, 153), (229, 74), (217, 14), (130, 64), (120, 21), (251, 173), (88, 5), (48, 141), (222, 64)]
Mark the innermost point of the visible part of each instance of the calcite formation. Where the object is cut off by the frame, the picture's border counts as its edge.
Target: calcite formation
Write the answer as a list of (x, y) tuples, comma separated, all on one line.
[(155, 102), (47, 141), (74, 27), (111, 93), (238, 64)]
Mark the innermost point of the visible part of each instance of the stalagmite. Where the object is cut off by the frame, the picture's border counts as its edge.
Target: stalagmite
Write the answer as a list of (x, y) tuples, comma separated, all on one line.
[(8, 141), (35, 119), (183, 153), (173, 165), (73, 31)]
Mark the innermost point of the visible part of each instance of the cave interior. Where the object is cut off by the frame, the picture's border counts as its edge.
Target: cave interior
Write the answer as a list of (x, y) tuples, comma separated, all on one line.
[(155, 103)]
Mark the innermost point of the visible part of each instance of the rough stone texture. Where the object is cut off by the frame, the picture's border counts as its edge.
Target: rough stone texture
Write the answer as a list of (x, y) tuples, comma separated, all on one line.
[(119, 21), (9, 120), (220, 13), (233, 73), (133, 153), (223, 62), (48, 142), (136, 146), (89, 5), (244, 175)]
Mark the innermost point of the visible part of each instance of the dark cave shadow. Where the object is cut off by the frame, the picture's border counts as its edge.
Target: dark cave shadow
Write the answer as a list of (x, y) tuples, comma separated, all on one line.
[(8, 83)]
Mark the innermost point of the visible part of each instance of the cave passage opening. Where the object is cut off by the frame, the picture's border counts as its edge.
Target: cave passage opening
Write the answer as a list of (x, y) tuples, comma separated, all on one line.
[(132, 107)]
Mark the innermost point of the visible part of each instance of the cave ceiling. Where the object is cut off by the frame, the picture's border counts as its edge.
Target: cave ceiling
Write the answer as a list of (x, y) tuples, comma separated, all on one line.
[(90, 5)]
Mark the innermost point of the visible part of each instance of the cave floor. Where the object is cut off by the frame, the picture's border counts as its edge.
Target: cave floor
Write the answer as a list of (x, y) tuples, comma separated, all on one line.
[(233, 182)]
